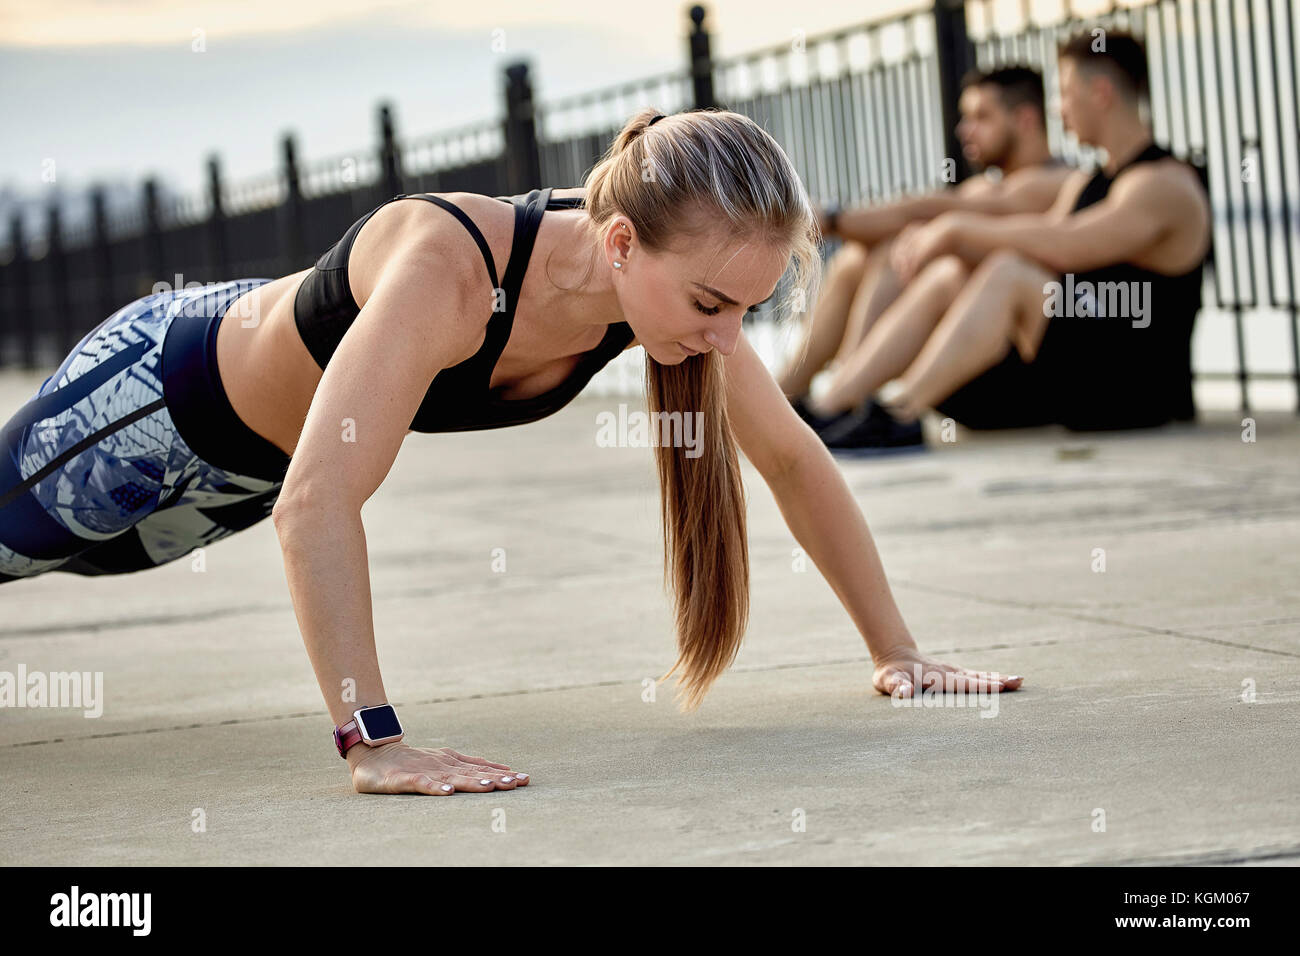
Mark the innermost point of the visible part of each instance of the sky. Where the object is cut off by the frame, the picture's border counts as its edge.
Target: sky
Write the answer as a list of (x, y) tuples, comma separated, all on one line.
[(114, 90), (121, 88)]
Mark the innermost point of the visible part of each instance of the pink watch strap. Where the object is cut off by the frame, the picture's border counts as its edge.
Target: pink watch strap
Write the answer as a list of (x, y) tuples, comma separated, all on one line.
[(346, 737)]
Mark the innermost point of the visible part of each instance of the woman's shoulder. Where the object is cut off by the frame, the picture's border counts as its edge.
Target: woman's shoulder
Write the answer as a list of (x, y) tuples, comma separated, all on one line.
[(433, 226), (427, 246)]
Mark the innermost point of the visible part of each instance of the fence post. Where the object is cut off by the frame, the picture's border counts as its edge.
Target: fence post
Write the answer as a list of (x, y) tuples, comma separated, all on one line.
[(103, 256), (956, 56), (153, 239), (218, 253), (64, 325), (291, 244), (523, 159), (390, 162), (701, 61), (20, 278)]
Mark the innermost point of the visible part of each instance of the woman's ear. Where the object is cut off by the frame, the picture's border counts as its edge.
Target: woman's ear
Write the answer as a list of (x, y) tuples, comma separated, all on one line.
[(618, 241)]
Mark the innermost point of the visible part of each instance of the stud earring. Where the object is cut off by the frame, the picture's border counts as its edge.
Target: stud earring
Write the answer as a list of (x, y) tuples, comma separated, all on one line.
[(618, 265)]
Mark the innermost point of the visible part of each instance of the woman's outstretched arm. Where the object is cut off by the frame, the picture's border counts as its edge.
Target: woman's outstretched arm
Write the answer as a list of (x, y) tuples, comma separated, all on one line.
[(415, 321), (827, 522)]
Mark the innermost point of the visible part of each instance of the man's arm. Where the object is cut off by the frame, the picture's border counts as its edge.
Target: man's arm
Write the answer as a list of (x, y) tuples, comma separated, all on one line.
[(1135, 223), (1024, 191)]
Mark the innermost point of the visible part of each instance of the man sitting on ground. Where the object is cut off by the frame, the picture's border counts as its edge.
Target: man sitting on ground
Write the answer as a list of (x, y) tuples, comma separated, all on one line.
[(1081, 316), (1002, 129)]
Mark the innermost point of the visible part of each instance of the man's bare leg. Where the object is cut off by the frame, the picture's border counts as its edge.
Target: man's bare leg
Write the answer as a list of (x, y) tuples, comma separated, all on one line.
[(1000, 307), (896, 338), (826, 327), (879, 289)]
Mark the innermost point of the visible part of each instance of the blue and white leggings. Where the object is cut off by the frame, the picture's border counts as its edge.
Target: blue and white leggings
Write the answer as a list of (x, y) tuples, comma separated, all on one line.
[(95, 477)]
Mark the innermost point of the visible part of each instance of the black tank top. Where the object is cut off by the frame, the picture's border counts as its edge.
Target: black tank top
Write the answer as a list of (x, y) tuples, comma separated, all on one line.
[(459, 398), (1149, 369)]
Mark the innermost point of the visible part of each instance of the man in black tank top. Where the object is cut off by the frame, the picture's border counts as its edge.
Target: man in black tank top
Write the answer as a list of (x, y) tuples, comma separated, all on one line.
[(1155, 357), (1083, 315)]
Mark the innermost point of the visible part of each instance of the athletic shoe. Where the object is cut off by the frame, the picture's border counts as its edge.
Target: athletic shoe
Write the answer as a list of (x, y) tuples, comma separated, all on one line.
[(814, 421), (870, 429)]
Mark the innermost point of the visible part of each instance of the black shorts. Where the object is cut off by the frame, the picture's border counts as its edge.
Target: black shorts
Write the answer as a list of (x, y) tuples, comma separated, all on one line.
[(1088, 375)]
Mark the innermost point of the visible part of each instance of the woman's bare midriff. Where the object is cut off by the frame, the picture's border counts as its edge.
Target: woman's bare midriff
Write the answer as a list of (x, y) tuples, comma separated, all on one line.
[(270, 376)]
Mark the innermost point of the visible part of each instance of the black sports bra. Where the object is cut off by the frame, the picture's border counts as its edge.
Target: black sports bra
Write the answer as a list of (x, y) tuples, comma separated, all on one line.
[(459, 398)]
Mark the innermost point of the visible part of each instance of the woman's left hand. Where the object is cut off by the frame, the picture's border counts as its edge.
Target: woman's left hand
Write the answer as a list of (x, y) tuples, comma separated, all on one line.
[(898, 672)]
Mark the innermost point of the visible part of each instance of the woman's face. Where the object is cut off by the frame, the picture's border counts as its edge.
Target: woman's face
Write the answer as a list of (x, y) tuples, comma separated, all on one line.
[(691, 299)]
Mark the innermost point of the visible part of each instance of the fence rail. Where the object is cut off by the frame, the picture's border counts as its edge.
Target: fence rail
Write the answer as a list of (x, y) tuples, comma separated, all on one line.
[(866, 113)]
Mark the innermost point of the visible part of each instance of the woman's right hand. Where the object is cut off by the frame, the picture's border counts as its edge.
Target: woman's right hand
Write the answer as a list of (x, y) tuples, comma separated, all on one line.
[(397, 768)]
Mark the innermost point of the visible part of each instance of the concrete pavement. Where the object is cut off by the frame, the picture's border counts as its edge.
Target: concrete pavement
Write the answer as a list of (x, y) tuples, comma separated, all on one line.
[(1161, 694)]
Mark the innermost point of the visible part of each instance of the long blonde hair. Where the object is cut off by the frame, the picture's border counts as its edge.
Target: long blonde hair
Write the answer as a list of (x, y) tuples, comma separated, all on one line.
[(694, 173)]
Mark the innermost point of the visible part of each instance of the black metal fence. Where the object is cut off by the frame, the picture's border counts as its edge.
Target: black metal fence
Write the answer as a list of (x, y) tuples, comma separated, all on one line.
[(866, 113)]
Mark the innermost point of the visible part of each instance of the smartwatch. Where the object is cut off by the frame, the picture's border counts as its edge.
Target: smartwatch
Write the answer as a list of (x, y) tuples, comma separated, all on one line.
[(371, 726)]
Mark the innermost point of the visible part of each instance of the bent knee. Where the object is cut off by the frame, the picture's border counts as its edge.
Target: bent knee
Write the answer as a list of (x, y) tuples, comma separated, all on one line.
[(851, 258), (1012, 268), (1003, 260), (948, 272)]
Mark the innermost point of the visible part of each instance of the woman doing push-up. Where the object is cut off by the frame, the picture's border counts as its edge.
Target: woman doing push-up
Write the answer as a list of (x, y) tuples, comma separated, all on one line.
[(167, 429)]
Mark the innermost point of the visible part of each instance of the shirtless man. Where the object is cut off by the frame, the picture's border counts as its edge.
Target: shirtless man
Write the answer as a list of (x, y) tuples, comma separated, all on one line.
[(1002, 128)]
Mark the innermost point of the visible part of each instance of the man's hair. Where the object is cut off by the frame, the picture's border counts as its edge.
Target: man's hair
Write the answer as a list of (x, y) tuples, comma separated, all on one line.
[(1116, 53), (1016, 85)]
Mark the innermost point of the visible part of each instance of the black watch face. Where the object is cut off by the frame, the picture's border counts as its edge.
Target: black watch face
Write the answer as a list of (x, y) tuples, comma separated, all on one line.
[(380, 722)]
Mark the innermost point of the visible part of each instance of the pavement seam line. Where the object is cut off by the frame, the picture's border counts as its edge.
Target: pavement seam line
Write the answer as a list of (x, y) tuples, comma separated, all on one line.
[(1086, 618), (835, 662)]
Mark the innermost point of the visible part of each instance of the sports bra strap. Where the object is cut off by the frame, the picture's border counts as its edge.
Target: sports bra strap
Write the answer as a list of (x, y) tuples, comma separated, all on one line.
[(528, 216), (468, 223), (529, 210)]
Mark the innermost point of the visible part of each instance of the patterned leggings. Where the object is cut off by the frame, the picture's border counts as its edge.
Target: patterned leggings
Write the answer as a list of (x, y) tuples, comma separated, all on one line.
[(95, 477)]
